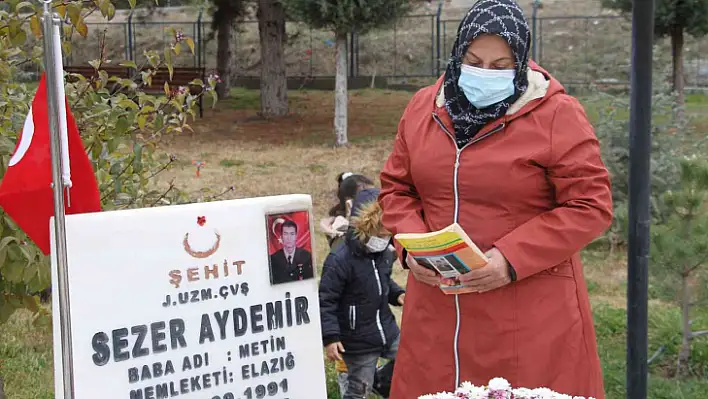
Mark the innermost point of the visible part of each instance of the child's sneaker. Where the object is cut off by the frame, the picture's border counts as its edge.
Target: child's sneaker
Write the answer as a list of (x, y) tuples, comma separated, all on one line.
[(342, 377), (382, 379)]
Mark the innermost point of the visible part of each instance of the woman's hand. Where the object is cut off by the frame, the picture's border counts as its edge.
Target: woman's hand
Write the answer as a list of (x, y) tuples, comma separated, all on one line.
[(422, 274), (401, 299), (334, 351), (492, 276)]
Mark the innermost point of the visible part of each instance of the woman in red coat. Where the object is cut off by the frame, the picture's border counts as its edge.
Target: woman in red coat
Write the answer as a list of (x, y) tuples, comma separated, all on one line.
[(499, 147)]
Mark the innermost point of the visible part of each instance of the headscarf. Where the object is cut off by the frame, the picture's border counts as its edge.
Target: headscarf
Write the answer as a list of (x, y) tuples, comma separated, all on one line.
[(499, 17)]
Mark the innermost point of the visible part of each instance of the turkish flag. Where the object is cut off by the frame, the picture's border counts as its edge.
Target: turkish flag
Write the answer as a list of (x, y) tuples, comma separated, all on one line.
[(275, 230), (25, 191)]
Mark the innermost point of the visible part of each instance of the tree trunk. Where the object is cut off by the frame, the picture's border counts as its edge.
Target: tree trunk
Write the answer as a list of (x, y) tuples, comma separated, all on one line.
[(685, 352), (340, 92), (223, 50), (274, 84), (677, 59)]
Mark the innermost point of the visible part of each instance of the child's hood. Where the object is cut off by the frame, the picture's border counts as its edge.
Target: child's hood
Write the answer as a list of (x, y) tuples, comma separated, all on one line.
[(366, 215)]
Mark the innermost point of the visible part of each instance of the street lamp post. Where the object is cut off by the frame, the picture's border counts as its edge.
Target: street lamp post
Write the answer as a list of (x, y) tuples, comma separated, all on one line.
[(536, 5), (639, 197)]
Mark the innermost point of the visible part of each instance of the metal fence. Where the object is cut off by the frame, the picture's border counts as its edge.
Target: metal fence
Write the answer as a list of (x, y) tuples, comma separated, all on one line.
[(129, 41), (577, 50)]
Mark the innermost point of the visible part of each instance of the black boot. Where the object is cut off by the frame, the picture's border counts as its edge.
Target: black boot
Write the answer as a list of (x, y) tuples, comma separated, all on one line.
[(382, 380)]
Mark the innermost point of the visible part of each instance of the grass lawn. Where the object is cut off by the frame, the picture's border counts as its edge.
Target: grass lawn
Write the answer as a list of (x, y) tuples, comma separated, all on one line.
[(294, 155)]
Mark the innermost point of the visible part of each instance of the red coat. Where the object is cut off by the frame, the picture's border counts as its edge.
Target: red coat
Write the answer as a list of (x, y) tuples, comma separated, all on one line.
[(533, 185)]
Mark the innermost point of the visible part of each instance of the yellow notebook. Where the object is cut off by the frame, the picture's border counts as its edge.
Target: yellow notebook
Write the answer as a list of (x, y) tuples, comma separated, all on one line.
[(449, 252)]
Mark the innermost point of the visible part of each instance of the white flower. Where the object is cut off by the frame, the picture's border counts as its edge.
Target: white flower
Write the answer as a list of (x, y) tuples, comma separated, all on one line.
[(472, 391), (439, 395), (499, 387), (544, 393), (523, 393), (499, 384)]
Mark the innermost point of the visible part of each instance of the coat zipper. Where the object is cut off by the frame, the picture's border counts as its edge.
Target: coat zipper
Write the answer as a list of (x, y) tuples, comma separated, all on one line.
[(352, 317), (378, 311), (455, 219)]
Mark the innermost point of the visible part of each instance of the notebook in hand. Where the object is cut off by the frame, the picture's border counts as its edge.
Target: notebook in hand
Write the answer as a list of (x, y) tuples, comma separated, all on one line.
[(449, 252)]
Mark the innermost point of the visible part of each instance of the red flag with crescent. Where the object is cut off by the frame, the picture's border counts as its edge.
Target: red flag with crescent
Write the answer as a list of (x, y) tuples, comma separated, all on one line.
[(25, 191), (275, 224)]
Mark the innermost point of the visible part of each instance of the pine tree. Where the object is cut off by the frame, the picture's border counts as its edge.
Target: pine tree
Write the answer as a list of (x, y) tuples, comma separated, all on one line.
[(679, 250), (674, 18), (344, 17), (274, 80), (224, 13), (271, 29)]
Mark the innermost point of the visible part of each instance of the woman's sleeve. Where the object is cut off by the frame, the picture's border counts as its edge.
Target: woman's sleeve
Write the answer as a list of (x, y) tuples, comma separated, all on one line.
[(402, 208), (582, 191)]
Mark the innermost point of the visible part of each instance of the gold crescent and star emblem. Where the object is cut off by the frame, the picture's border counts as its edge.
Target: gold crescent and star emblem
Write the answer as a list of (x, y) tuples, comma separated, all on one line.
[(201, 221)]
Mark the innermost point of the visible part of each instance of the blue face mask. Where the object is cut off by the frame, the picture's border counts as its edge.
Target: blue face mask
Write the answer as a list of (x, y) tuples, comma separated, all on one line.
[(484, 87)]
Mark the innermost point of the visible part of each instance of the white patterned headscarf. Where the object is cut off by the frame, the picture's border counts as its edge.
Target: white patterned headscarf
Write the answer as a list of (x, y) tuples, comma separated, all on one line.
[(505, 19)]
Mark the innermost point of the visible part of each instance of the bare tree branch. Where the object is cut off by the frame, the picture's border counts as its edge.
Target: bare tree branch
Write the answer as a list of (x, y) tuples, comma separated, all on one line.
[(698, 264), (228, 190), (164, 194)]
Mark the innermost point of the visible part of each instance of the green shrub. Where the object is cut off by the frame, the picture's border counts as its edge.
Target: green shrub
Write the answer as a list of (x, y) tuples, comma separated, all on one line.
[(611, 115), (120, 124)]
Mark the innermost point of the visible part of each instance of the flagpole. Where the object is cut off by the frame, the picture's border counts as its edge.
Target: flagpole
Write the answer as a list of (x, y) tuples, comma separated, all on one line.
[(53, 77), (61, 103)]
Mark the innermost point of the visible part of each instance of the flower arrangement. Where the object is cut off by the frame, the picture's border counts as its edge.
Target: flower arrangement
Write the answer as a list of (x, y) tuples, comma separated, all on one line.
[(499, 388)]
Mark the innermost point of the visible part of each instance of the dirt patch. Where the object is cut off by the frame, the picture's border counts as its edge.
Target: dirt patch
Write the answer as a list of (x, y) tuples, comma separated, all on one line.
[(373, 114)]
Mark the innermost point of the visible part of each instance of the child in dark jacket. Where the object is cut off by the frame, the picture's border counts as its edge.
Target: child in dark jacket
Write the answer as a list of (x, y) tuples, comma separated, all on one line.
[(335, 227), (356, 290)]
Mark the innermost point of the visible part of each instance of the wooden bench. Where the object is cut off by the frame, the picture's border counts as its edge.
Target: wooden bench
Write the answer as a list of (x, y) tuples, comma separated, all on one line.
[(180, 77), (88, 71)]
